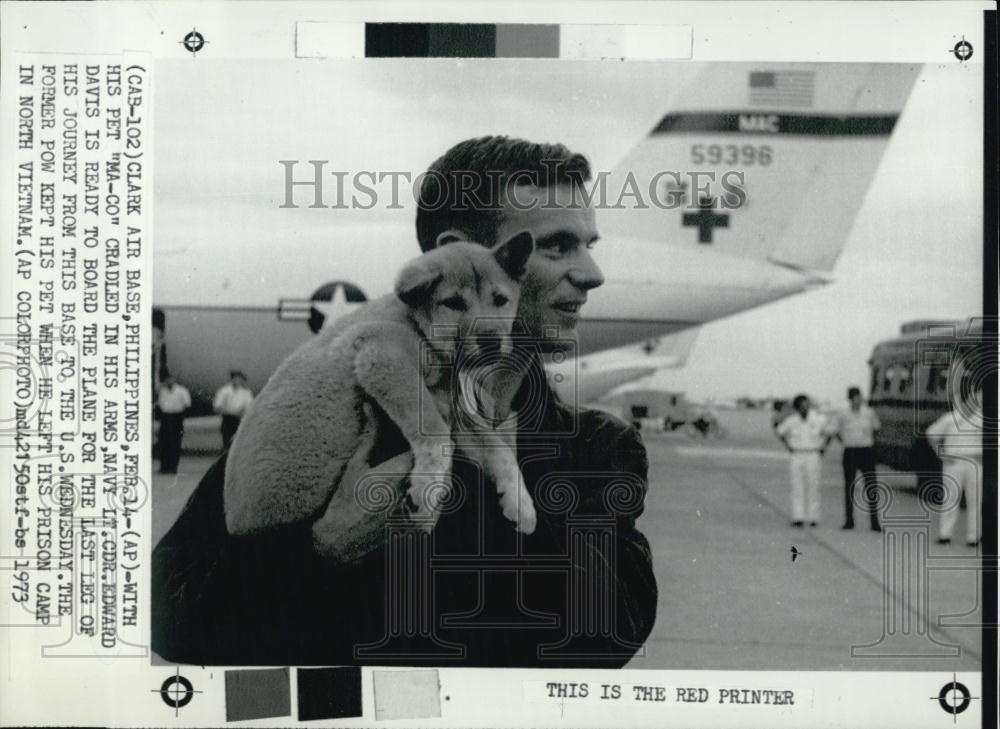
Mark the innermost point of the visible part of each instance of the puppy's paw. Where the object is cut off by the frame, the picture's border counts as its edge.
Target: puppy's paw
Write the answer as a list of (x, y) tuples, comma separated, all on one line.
[(518, 507), (527, 520), (429, 485), (427, 492)]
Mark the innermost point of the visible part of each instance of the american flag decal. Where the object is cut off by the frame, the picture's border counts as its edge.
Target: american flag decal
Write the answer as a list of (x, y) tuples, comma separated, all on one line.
[(782, 88)]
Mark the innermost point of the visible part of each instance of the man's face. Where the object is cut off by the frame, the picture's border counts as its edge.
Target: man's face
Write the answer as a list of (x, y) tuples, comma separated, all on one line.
[(561, 270), (803, 407), (856, 401)]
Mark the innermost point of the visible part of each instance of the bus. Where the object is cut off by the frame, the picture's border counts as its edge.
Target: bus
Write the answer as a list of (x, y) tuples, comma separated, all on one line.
[(914, 378)]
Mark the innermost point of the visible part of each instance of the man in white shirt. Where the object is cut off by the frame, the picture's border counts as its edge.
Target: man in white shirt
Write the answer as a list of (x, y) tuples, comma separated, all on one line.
[(805, 435), (232, 401), (856, 428), (957, 437), (173, 400)]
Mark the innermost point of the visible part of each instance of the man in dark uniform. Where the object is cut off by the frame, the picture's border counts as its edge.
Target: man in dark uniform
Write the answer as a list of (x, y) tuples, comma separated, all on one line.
[(856, 428), (358, 585)]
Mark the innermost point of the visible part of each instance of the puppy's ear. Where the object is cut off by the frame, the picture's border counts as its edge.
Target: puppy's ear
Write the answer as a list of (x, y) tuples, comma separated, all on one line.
[(417, 280), (512, 254)]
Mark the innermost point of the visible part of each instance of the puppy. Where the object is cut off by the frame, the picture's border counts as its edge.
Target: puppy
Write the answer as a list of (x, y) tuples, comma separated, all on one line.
[(453, 305)]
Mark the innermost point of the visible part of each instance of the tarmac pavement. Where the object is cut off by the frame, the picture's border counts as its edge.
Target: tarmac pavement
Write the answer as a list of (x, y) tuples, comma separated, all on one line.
[(731, 597)]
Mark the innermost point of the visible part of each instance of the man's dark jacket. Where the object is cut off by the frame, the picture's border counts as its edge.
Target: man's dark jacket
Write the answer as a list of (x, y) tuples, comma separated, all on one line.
[(579, 591)]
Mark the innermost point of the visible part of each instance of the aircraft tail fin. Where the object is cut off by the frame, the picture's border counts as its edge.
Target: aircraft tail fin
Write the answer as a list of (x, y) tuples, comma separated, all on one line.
[(767, 161)]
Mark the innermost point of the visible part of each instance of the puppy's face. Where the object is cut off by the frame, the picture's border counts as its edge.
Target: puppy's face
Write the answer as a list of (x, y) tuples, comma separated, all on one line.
[(464, 296)]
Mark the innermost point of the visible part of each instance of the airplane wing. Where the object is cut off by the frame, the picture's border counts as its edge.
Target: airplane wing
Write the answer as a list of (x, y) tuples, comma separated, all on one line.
[(675, 346), (579, 387), (802, 141), (587, 379)]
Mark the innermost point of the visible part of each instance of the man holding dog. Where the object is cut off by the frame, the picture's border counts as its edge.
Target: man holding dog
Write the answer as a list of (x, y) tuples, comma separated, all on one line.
[(326, 592)]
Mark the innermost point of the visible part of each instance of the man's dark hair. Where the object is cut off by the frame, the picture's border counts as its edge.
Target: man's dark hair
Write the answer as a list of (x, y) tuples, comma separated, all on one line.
[(852, 391), (465, 189), (799, 399)]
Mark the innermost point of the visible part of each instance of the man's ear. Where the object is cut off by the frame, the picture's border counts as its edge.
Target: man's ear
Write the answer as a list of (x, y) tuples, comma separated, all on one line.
[(417, 280), (450, 236), (513, 254)]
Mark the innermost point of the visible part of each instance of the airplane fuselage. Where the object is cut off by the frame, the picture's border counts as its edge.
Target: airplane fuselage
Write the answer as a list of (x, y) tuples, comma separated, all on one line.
[(250, 317)]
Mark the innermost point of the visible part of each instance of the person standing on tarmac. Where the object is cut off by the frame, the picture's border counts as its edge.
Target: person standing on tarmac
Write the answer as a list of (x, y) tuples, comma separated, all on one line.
[(957, 437), (805, 435), (232, 400), (173, 400), (856, 429)]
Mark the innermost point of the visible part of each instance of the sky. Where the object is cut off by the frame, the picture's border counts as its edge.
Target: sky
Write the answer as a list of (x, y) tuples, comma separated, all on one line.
[(914, 251)]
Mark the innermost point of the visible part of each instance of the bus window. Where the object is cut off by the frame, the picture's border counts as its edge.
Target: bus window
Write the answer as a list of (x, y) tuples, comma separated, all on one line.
[(904, 374), (887, 378), (874, 386), (640, 411), (942, 382), (937, 379)]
